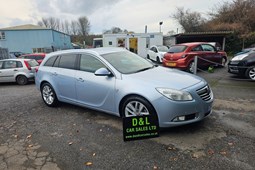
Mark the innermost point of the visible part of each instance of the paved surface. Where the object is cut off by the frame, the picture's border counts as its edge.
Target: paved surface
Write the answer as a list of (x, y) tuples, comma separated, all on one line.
[(34, 136)]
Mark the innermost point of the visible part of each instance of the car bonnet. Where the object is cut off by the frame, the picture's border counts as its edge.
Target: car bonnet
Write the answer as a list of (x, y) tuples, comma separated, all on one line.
[(165, 77)]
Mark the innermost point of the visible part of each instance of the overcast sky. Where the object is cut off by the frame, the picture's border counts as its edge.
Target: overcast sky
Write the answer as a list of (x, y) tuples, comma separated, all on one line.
[(132, 15)]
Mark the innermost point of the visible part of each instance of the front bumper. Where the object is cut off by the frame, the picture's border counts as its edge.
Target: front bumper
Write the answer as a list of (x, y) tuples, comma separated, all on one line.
[(237, 67), (176, 113)]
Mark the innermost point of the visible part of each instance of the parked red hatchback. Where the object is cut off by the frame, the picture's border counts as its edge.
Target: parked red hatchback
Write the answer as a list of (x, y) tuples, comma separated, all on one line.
[(37, 56), (182, 56)]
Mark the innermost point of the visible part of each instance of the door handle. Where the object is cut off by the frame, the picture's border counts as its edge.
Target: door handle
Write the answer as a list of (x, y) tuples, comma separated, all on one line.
[(54, 74), (15, 70), (80, 79)]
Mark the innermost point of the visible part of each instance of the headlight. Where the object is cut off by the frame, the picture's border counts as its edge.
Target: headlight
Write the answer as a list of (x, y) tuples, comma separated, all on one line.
[(175, 94)]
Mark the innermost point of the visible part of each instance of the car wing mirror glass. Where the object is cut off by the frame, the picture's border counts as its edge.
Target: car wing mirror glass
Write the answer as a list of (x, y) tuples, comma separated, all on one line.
[(103, 72)]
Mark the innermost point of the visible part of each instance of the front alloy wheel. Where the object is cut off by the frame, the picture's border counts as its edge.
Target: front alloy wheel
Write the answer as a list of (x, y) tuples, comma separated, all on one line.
[(136, 106), (250, 73), (191, 67), (48, 95)]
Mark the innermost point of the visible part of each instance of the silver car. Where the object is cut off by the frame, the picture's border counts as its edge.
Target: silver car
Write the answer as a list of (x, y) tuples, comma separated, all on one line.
[(17, 70), (121, 83)]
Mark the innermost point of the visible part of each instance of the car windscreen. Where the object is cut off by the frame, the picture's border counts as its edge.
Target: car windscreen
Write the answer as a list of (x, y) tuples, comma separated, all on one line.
[(127, 62), (177, 49), (33, 63), (163, 48)]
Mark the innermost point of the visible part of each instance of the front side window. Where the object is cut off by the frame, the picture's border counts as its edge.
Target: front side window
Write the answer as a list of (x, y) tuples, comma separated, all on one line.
[(207, 47), (90, 64), (197, 48), (67, 61)]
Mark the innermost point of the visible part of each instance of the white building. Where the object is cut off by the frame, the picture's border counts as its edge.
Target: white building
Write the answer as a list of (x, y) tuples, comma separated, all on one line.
[(136, 42)]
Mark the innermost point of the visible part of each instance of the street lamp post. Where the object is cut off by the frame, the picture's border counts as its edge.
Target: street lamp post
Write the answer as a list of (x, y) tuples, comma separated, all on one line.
[(160, 23)]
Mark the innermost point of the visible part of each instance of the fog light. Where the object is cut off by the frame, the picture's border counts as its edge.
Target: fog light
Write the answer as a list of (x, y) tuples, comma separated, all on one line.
[(179, 118)]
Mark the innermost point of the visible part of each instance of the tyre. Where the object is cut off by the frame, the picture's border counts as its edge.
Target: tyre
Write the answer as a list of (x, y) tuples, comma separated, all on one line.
[(158, 60), (21, 80), (250, 73), (48, 95), (223, 61), (191, 67), (136, 106)]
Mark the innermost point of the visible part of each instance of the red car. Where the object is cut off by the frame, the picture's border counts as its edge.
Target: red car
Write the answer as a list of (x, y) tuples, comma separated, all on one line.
[(37, 56), (182, 56)]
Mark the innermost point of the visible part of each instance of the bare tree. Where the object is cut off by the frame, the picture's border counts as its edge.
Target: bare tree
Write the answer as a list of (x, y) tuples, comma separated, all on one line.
[(83, 25), (74, 28), (190, 21), (51, 22)]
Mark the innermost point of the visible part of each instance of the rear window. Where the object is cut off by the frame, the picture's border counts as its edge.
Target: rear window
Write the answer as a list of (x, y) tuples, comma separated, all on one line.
[(177, 49), (33, 63)]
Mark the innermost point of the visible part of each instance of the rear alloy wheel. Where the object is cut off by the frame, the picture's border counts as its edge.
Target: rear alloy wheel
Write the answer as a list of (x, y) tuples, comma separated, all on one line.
[(223, 62), (250, 73), (22, 80), (48, 95), (191, 67), (136, 106)]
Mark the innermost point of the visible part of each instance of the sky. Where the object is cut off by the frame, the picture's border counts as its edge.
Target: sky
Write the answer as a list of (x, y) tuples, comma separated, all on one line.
[(132, 15)]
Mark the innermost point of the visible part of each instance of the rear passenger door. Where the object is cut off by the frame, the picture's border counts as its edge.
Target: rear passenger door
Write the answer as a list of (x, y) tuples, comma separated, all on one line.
[(64, 76)]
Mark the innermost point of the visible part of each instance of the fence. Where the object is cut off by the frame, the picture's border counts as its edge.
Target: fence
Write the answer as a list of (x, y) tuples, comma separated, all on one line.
[(215, 64), (4, 54)]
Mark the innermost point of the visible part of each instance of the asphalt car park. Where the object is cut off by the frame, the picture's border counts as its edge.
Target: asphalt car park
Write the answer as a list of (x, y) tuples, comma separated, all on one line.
[(34, 136)]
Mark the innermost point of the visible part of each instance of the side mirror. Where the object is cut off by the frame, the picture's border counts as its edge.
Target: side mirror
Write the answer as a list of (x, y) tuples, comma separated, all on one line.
[(218, 48), (103, 72)]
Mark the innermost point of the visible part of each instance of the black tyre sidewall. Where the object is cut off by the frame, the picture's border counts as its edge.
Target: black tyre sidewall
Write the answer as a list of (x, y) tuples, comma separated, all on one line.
[(24, 78), (55, 102)]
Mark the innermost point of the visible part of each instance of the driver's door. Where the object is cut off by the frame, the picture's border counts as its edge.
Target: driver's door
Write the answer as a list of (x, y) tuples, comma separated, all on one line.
[(91, 90)]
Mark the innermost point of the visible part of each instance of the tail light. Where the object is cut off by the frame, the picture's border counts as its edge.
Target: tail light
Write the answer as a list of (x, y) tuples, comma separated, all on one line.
[(27, 65)]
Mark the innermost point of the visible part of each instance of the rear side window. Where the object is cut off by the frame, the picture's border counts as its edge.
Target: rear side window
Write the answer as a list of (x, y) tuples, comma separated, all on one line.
[(50, 61), (67, 61), (19, 64), (177, 49)]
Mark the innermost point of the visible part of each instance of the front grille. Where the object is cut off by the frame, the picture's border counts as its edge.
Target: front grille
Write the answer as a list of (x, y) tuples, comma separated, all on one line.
[(205, 93)]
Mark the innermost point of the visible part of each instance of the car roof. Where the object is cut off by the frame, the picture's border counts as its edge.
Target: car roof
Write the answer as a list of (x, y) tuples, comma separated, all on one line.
[(98, 51), (34, 54), (18, 59), (192, 43)]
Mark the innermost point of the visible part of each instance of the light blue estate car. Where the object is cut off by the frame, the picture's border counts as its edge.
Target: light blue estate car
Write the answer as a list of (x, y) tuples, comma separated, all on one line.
[(121, 83)]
